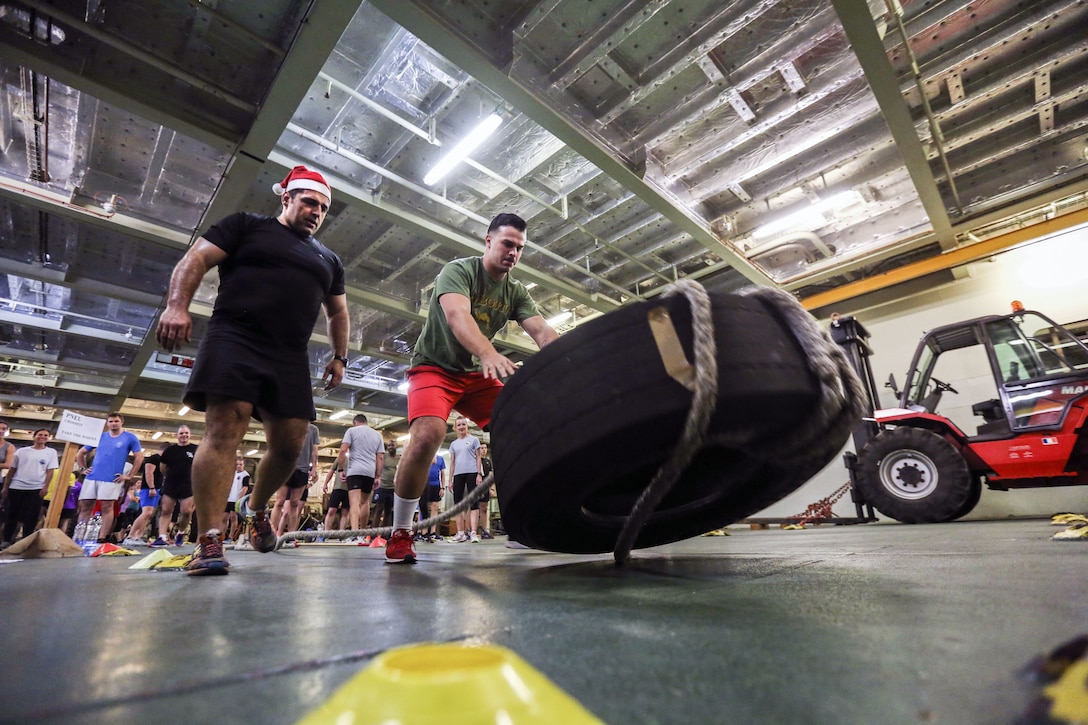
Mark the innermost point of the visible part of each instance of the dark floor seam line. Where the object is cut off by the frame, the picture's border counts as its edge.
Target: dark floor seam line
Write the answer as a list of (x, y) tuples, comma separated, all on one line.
[(185, 688)]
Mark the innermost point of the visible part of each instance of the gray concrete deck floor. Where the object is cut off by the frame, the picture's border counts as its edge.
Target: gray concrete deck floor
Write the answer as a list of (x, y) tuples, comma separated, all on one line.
[(858, 624)]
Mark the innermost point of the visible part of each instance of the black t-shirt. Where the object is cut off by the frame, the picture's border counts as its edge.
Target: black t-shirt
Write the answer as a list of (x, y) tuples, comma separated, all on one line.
[(179, 464), (155, 459), (272, 283)]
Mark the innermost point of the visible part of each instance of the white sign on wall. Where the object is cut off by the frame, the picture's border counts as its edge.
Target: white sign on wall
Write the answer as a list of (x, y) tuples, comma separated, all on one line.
[(77, 428)]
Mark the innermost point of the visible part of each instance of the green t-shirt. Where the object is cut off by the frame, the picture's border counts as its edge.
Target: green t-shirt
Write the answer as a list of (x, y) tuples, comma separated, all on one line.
[(493, 303)]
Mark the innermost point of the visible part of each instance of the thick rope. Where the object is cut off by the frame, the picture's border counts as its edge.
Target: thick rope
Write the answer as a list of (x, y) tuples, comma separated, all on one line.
[(467, 503), (703, 402), (840, 406)]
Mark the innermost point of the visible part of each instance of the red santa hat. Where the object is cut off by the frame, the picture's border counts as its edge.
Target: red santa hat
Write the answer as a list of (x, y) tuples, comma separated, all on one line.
[(302, 178)]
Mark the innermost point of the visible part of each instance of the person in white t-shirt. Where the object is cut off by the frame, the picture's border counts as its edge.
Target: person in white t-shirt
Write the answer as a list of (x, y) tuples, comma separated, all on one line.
[(25, 485), (362, 455), (238, 488), (467, 474)]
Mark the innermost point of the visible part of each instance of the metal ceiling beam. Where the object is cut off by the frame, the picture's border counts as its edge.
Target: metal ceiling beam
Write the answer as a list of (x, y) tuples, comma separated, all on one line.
[(868, 46), (414, 16), (44, 199), (71, 279), (63, 325), (114, 91)]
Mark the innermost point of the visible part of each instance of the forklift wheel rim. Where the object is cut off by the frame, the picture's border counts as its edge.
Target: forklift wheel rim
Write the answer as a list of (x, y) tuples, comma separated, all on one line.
[(895, 464)]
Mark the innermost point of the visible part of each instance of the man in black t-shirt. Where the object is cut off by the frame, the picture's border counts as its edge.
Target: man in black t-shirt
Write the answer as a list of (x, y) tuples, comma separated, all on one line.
[(150, 492), (176, 463), (274, 277)]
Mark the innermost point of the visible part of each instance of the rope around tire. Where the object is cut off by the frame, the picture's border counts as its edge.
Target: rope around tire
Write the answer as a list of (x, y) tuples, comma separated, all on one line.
[(470, 500), (841, 404)]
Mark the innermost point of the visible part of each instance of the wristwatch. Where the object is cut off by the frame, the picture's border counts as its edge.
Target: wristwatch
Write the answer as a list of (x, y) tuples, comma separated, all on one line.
[(341, 358)]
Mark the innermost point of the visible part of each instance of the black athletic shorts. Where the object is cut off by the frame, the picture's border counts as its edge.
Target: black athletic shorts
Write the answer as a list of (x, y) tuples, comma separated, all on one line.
[(361, 483), (230, 507), (463, 483), (178, 491), (338, 499), (271, 378), (433, 494), (298, 479)]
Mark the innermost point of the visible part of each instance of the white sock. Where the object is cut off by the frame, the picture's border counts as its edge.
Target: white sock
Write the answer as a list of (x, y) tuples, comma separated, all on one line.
[(403, 511)]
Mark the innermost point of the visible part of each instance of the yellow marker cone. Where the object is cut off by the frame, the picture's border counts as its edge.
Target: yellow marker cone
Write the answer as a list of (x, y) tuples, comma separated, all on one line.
[(453, 685), (152, 559)]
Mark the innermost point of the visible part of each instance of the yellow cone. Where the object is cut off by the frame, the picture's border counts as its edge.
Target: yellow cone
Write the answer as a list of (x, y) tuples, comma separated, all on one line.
[(452, 685), (152, 559)]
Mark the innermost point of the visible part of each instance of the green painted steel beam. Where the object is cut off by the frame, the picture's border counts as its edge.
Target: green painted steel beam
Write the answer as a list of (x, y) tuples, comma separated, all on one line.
[(868, 46)]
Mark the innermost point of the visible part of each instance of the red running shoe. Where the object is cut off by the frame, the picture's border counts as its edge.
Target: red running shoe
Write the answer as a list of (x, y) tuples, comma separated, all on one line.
[(399, 549)]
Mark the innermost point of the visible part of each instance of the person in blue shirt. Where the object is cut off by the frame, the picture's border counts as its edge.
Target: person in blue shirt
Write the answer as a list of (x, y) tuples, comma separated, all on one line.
[(106, 478)]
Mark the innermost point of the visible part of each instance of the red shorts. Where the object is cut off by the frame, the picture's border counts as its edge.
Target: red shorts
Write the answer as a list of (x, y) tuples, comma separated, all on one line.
[(434, 391)]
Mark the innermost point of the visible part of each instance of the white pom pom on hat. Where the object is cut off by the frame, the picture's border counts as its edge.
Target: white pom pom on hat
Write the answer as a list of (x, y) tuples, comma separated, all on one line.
[(302, 178)]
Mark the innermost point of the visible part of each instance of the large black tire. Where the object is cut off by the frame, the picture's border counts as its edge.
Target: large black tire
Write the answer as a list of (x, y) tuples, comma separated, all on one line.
[(580, 430), (916, 476), (973, 497)]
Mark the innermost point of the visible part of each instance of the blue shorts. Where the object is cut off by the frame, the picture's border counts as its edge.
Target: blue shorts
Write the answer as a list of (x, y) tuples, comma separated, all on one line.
[(149, 498)]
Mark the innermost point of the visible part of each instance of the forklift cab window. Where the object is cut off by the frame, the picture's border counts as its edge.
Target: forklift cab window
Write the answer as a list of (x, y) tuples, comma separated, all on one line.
[(1029, 350), (1029, 346), (916, 386)]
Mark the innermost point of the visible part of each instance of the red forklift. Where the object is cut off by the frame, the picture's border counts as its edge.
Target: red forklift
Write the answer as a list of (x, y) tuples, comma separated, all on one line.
[(1030, 378)]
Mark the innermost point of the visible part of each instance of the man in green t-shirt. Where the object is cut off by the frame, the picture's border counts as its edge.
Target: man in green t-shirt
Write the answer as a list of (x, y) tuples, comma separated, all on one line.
[(455, 365)]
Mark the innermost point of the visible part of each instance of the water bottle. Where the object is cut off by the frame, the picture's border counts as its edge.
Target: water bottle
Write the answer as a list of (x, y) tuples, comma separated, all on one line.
[(90, 541), (81, 533), (320, 529)]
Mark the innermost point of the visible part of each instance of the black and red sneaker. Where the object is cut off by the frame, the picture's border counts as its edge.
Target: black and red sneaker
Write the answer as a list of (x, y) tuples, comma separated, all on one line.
[(208, 560), (263, 538)]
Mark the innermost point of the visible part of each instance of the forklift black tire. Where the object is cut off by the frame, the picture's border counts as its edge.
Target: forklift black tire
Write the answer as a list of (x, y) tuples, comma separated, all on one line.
[(916, 476), (972, 499), (579, 431)]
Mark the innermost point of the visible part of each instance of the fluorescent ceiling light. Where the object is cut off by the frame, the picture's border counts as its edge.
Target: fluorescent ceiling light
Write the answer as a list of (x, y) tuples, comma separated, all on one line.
[(406, 436), (465, 147), (530, 285), (183, 410), (252, 452), (156, 435), (561, 317), (403, 387), (340, 414)]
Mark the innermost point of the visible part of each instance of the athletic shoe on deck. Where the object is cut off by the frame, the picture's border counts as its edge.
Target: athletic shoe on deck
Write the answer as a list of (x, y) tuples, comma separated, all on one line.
[(208, 559), (158, 543), (263, 538), (399, 549)]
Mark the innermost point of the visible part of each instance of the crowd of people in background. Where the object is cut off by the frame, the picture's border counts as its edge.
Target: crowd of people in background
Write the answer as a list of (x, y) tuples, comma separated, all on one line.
[(143, 501)]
